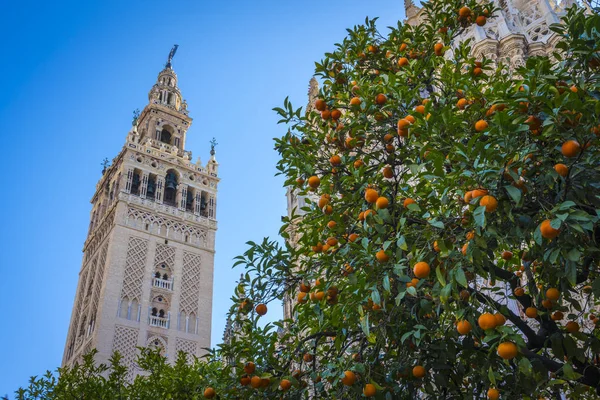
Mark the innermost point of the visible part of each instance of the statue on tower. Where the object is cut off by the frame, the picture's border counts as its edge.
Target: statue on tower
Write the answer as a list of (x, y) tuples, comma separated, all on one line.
[(171, 55)]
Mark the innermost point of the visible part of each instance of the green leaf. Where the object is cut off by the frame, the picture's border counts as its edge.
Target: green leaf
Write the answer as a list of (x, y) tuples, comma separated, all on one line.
[(525, 366), (460, 277), (479, 216), (440, 276), (436, 223), (514, 193), (491, 376)]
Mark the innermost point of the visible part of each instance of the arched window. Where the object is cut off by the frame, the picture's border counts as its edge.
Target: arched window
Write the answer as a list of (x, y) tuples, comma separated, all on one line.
[(136, 182), (165, 277), (151, 192), (171, 188), (157, 275), (165, 136), (154, 311), (161, 313), (189, 203)]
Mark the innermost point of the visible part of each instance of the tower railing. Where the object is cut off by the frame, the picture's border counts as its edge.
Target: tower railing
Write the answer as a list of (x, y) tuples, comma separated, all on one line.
[(163, 283), (161, 322)]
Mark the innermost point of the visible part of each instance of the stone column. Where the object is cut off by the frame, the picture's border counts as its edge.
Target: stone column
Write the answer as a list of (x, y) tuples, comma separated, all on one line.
[(129, 180), (160, 183), (212, 206), (197, 202), (183, 198), (144, 188)]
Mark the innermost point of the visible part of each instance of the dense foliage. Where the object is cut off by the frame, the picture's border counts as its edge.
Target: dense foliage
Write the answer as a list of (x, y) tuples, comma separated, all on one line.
[(449, 243)]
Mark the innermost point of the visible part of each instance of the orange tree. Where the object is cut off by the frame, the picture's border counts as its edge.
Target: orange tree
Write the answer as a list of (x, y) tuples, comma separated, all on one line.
[(449, 245)]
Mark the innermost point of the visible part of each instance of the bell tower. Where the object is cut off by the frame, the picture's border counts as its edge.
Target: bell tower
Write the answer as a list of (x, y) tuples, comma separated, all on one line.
[(147, 271)]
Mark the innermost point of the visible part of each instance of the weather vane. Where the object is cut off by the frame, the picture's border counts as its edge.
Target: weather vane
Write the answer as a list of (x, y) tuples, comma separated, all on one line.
[(213, 144), (105, 164), (171, 55), (136, 115)]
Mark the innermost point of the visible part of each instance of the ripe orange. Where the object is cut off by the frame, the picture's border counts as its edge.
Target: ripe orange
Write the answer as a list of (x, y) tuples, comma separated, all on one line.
[(461, 104), (421, 269), (561, 169), (500, 319), (245, 380), (519, 291), (320, 105), (438, 49), (307, 357), (358, 163), (436, 247), (468, 196), (410, 119), (335, 160), (261, 309), (420, 109), (557, 316), (407, 202), (402, 62), (318, 295), (464, 249), (382, 203), (478, 193), (314, 182), (255, 382), (507, 255), (369, 390), (371, 195), (349, 378), (301, 297), (265, 382), (336, 114), (464, 12), (249, 367), (355, 101), (481, 125), (489, 202), (507, 350), (381, 256), (381, 99), (486, 321), (402, 47), (328, 209), (285, 385), (547, 230), (404, 123), (470, 235), (572, 327), (570, 148), (352, 237), (547, 304), (332, 241), (531, 312), (477, 71), (388, 172), (418, 371), (481, 20), (492, 393), (324, 200), (209, 393), (373, 49), (552, 294), (325, 114), (463, 327), (331, 224)]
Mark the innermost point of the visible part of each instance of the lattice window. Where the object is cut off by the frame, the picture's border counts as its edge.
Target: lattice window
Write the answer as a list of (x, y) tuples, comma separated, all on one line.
[(134, 268), (187, 346), (157, 342), (164, 226), (190, 283), (164, 254), (125, 342)]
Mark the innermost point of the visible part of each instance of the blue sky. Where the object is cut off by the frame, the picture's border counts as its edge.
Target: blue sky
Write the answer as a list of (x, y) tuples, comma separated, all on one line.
[(73, 72)]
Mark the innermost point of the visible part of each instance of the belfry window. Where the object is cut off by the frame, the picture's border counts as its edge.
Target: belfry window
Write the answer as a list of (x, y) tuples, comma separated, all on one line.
[(151, 192), (136, 182), (171, 188), (189, 202), (165, 136)]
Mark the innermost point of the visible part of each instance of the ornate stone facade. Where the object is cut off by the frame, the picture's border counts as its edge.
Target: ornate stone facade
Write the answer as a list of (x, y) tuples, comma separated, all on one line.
[(147, 272)]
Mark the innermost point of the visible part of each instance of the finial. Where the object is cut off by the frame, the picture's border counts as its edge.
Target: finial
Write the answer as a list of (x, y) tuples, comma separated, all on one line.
[(171, 55), (213, 144), (105, 164), (136, 115)]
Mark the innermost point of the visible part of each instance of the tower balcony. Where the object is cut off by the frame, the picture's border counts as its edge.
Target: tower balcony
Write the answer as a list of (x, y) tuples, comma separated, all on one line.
[(160, 283), (160, 322)]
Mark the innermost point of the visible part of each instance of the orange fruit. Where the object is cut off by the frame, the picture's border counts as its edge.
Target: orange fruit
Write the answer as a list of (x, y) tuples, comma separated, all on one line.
[(265, 382), (464, 12), (547, 304), (470, 235), (209, 393), (547, 230), (507, 350), (261, 309), (492, 393), (371, 195), (331, 224), (438, 49), (531, 312), (373, 49), (500, 319), (436, 247), (477, 71), (352, 237), (358, 163), (507, 255), (301, 297), (318, 295), (402, 62), (355, 101), (255, 382), (464, 249), (481, 20), (369, 390), (381, 99), (388, 172), (561, 169), (519, 291), (332, 241), (468, 196), (249, 367), (335, 160), (285, 385), (481, 125), (418, 371), (463, 327), (320, 105), (478, 193), (326, 114), (349, 378), (486, 321), (314, 182), (381, 256), (557, 316), (420, 109), (570, 148), (421, 269), (410, 119), (336, 114), (489, 202), (461, 104), (552, 294), (245, 380), (572, 327), (407, 202), (324, 200), (382, 202), (404, 123)]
